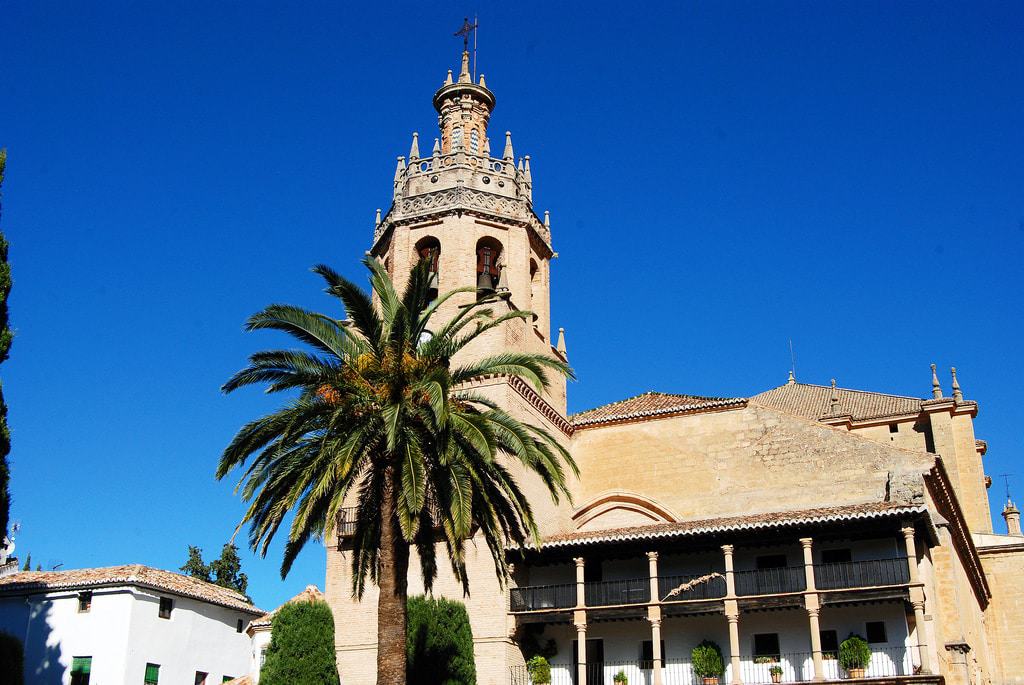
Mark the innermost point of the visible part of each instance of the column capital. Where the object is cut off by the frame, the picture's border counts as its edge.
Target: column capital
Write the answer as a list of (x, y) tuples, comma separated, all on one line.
[(655, 622), (581, 627), (813, 612), (732, 618), (579, 561), (907, 530), (652, 556), (918, 606), (728, 549), (806, 542)]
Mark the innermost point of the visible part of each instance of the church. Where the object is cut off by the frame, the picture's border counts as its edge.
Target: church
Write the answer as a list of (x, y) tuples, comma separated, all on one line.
[(774, 525)]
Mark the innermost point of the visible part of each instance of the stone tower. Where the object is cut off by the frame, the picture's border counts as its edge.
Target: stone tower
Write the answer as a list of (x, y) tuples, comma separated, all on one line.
[(473, 213)]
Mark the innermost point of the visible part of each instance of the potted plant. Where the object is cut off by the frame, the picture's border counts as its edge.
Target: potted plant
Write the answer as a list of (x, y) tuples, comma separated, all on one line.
[(854, 655), (707, 662), (539, 670), (776, 673), (620, 678)]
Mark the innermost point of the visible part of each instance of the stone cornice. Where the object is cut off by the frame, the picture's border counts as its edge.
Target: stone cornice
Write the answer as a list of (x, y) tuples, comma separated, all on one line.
[(540, 404), (937, 481)]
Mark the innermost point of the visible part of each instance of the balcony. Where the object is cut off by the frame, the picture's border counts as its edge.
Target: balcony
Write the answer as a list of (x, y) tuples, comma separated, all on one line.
[(890, 662), (856, 574), (346, 522), (691, 588), (614, 592), (770, 581), (542, 597), (752, 583)]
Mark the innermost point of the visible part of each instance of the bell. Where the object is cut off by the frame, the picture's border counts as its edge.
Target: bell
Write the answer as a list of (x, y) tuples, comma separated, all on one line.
[(502, 283), (484, 281)]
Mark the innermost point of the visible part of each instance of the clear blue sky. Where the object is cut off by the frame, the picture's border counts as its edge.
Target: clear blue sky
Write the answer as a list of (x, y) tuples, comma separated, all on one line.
[(721, 177)]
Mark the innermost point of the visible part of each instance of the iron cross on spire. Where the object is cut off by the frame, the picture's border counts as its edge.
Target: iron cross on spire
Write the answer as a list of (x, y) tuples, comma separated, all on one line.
[(467, 29)]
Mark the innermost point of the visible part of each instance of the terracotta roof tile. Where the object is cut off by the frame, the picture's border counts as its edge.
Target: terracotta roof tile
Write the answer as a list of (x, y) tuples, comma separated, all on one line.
[(132, 574), (734, 523), (812, 401), (649, 405), (241, 680)]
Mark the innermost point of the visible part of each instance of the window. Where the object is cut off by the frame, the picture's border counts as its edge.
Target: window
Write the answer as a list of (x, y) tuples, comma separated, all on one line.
[(84, 602), (474, 141), (894, 428), (238, 626), (767, 645), (81, 667), (263, 657), (456, 138), (166, 606), (647, 653), (829, 644), (227, 678), (771, 561), (201, 678), (875, 631), (836, 556), (152, 674)]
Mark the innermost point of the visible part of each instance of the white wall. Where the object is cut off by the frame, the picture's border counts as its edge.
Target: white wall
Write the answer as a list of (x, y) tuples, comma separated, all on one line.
[(122, 632), (260, 641)]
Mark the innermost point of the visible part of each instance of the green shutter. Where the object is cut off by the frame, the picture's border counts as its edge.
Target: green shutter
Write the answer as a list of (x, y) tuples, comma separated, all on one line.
[(81, 664), (152, 674)]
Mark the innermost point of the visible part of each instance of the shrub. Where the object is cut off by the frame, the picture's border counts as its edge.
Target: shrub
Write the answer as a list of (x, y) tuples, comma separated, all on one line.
[(707, 660), (301, 650), (775, 670), (439, 643), (620, 678), (854, 652), (12, 660), (539, 670)]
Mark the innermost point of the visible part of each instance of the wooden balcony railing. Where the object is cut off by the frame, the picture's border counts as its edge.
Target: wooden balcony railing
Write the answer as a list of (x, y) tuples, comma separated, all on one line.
[(770, 581), (542, 597), (852, 574), (612, 592)]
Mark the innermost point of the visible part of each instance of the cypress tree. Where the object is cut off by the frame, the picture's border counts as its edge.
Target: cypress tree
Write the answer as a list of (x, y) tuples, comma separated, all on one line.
[(301, 650), (5, 346)]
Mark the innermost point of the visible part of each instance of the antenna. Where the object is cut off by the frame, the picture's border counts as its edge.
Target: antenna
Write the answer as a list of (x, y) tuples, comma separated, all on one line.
[(1006, 480), (476, 29), (792, 359)]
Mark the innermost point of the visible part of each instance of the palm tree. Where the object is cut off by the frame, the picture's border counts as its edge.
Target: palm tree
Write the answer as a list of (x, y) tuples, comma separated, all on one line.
[(380, 417)]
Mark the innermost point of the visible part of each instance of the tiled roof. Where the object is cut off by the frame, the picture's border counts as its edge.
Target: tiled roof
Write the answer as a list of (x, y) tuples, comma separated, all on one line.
[(310, 594), (241, 680), (132, 574), (813, 401), (650, 405), (735, 523)]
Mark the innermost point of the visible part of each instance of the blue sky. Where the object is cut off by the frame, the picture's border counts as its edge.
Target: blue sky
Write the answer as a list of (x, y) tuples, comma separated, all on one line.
[(722, 177)]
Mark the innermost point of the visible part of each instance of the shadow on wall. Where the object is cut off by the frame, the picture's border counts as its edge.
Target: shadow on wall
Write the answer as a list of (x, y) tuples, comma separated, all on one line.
[(42, 650)]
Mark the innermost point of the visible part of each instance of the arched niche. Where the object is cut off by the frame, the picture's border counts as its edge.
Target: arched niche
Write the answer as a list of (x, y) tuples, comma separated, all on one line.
[(621, 509)]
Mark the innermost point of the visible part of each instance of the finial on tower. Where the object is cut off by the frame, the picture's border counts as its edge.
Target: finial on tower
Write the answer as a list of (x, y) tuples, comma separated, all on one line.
[(547, 219), (526, 170), (834, 403), (483, 83), (508, 154), (792, 378), (936, 388), (376, 221), (958, 395), (464, 76), (449, 81), (414, 149), (487, 146), (560, 346)]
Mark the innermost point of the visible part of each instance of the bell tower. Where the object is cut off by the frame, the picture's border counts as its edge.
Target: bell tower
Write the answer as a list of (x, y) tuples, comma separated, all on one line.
[(472, 213)]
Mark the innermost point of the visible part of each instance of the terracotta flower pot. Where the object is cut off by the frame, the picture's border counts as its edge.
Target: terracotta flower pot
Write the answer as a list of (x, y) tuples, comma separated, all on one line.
[(713, 680), (776, 677), (855, 672)]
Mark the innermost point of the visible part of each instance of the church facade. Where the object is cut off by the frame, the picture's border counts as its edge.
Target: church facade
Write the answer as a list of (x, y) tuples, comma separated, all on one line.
[(774, 525)]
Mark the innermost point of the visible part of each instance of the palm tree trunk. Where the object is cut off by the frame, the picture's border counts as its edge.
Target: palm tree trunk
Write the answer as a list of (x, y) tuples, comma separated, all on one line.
[(394, 588)]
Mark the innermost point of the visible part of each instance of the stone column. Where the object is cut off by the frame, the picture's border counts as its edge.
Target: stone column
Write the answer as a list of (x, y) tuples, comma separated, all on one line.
[(732, 614), (813, 606), (916, 596), (581, 653), (656, 657), (654, 616), (580, 583)]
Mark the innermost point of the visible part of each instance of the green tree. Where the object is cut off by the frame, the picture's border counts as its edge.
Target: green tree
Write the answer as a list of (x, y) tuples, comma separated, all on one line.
[(301, 650), (28, 562), (227, 571), (382, 419), (439, 643), (6, 336), (12, 660), (195, 566)]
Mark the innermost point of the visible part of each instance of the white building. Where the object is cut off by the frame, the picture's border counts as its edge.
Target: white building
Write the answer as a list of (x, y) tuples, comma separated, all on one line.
[(126, 624)]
